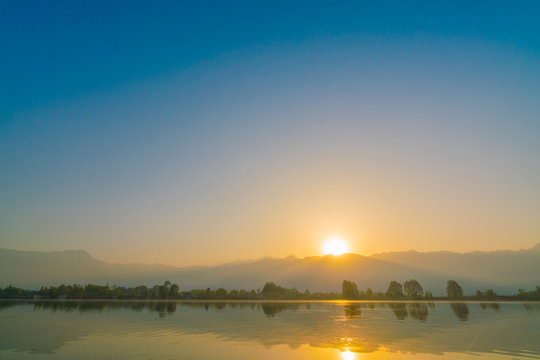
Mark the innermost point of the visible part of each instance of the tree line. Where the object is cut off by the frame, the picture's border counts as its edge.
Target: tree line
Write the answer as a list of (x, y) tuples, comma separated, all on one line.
[(410, 289), (167, 290)]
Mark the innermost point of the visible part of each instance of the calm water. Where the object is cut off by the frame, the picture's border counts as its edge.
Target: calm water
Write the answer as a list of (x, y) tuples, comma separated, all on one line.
[(239, 330)]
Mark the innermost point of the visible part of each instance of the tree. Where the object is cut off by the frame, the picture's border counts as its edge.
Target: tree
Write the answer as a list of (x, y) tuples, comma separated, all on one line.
[(490, 294), (453, 290), (271, 290), (413, 289), (369, 293), (173, 291), (163, 290), (395, 290), (349, 290), (428, 295), (221, 293)]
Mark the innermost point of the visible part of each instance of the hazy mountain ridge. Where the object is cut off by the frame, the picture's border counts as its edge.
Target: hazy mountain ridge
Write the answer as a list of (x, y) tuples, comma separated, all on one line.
[(34, 268), (504, 267), (504, 271)]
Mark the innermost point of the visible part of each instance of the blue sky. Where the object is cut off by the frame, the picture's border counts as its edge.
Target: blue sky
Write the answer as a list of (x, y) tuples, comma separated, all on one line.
[(63, 49), (253, 128)]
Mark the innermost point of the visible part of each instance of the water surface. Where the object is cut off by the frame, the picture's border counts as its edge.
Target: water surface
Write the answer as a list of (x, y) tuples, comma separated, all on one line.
[(281, 330)]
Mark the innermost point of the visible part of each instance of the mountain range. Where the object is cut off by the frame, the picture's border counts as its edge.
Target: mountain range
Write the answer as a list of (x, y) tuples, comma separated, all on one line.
[(503, 271)]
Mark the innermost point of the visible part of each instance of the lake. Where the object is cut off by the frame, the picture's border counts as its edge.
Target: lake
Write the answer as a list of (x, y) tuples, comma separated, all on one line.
[(268, 330)]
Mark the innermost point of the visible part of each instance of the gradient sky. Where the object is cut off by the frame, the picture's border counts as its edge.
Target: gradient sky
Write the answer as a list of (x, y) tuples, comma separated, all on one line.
[(206, 132)]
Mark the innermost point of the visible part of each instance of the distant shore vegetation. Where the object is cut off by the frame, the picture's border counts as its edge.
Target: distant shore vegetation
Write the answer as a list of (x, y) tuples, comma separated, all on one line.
[(409, 290)]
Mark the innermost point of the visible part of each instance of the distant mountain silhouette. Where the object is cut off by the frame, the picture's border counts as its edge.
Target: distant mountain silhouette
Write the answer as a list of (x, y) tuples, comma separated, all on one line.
[(504, 271), (535, 248), (35, 268)]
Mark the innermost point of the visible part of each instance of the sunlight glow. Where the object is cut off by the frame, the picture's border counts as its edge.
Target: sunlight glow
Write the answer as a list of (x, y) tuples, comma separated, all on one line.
[(335, 246), (348, 355)]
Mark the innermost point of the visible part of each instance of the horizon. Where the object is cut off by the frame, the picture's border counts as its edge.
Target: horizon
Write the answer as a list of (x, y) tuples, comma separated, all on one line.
[(247, 260)]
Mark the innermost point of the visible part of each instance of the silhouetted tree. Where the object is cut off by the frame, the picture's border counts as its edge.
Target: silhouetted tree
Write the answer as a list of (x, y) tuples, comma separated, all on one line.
[(173, 291), (164, 290), (369, 293), (490, 294), (13, 292), (453, 290), (349, 290), (273, 291), (531, 295), (413, 289), (270, 291), (395, 290), (220, 294)]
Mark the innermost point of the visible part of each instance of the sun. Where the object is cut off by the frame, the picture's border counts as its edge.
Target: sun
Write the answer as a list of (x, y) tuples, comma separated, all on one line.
[(335, 246)]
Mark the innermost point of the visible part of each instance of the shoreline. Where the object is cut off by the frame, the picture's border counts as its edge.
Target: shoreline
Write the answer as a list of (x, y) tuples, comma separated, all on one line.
[(442, 301)]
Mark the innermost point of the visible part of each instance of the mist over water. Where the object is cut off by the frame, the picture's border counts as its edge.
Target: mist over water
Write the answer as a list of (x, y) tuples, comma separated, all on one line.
[(291, 330)]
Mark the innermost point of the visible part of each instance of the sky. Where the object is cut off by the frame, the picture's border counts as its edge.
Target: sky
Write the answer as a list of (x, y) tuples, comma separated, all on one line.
[(206, 132)]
